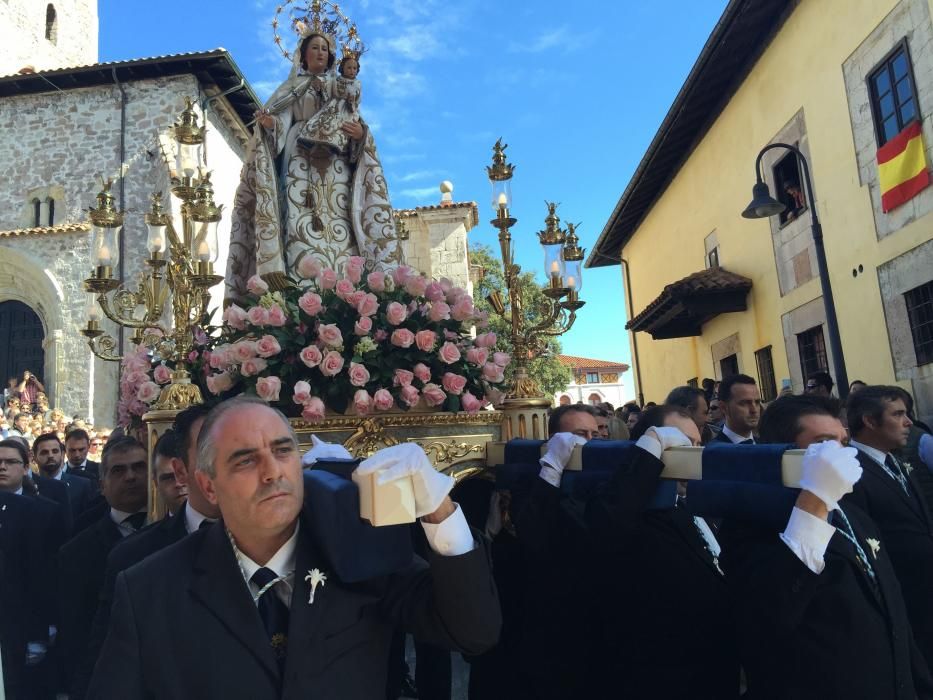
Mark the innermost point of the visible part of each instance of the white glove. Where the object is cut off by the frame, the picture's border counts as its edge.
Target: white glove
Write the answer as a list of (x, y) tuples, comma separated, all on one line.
[(656, 440), (324, 450), (555, 459), (409, 460), (926, 450), (830, 471)]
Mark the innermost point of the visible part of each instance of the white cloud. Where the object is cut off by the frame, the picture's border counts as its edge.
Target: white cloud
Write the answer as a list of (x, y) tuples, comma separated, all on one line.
[(544, 41), (418, 175), (421, 192)]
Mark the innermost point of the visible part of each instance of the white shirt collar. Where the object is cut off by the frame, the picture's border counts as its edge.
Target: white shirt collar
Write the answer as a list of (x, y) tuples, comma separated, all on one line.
[(875, 454), (118, 516), (734, 436), (59, 474), (193, 518), (19, 491), (282, 562)]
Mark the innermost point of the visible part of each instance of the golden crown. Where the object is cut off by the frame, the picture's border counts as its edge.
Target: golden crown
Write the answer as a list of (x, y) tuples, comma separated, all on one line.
[(317, 17)]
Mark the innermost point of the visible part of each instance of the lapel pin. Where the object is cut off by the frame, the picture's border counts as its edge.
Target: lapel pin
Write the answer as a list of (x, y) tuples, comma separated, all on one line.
[(315, 578), (874, 545)]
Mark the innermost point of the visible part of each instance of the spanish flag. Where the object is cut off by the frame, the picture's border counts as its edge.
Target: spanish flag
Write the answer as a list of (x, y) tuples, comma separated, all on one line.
[(902, 167)]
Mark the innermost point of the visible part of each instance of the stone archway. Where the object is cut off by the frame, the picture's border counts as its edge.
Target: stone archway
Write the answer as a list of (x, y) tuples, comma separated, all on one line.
[(23, 279)]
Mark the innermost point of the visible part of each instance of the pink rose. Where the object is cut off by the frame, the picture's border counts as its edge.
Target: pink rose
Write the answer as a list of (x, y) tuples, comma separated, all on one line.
[(267, 346), (434, 292), (477, 356), (454, 294), (416, 285), (382, 400), (310, 303), (268, 388), (235, 317), (330, 335), (253, 366), (502, 358), (220, 358), (425, 340), (193, 356), (462, 309), (396, 313), (402, 338), (363, 326), (327, 279), (492, 373), (376, 281), (449, 353), (313, 409), (309, 268), (481, 319), (148, 392), (162, 374), (258, 316), (355, 298), (470, 403), (311, 356), (344, 288), (454, 383), (439, 311), (354, 269), (359, 375), (403, 377), (219, 383), (368, 305), (362, 402), (433, 395), (301, 394), (243, 350), (422, 372), (485, 340), (409, 396), (332, 364), (401, 274), (256, 286), (276, 316), (380, 335)]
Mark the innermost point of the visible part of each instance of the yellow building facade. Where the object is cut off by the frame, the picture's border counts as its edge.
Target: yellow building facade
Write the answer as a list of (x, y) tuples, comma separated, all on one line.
[(799, 73)]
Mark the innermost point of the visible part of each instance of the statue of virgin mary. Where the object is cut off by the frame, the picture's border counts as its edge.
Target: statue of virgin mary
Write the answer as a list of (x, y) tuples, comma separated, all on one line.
[(300, 198)]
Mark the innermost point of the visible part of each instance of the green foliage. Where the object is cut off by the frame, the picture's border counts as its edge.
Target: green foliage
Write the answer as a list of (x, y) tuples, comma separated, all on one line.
[(546, 369)]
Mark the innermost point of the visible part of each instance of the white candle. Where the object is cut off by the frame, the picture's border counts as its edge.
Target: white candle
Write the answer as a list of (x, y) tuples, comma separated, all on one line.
[(204, 252), (155, 245), (103, 255), (571, 282), (503, 200), (555, 269)]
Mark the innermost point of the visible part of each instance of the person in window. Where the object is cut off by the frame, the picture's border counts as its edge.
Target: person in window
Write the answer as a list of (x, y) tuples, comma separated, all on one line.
[(794, 200)]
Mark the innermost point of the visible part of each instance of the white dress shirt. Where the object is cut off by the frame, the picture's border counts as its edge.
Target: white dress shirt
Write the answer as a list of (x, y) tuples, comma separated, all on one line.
[(808, 536), (734, 436), (449, 538), (877, 455), (193, 518)]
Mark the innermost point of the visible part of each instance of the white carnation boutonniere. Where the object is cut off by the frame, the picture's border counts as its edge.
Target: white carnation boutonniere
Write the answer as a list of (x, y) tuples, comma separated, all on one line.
[(874, 545), (315, 578)]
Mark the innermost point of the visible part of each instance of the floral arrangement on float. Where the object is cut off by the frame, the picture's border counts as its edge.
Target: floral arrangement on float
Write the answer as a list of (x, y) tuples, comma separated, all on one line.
[(143, 375), (363, 341)]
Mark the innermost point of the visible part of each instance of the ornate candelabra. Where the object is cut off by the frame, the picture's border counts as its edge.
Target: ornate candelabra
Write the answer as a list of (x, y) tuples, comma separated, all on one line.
[(184, 272), (563, 260)]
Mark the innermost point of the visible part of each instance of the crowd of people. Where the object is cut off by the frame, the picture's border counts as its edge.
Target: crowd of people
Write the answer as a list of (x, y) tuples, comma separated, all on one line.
[(606, 583)]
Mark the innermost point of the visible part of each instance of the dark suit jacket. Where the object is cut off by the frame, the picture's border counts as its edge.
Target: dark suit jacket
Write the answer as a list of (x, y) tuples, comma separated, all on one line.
[(79, 491), (637, 606), (90, 470), (81, 564), (21, 619), (668, 624), (184, 625), (51, 535), (126, 553), (58, 492), (907, 531), (806, 636), (722, 437)]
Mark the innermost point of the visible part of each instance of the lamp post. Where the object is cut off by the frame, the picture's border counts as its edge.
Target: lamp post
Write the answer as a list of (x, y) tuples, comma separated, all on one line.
[(562, 265), (763, 205), (180, 266)]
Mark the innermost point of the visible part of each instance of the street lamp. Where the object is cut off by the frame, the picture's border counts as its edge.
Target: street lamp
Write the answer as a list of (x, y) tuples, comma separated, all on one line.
[(762, 206)]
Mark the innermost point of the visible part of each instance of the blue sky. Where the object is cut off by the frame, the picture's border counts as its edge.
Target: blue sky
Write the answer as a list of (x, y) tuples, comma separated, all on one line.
[(577, 90)]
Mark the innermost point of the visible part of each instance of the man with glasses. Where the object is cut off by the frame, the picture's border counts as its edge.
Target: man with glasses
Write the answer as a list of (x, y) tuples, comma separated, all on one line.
[(820, 384)]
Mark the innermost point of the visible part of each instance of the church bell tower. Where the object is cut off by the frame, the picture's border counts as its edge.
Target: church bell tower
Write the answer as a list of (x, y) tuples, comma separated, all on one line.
[(41, 35)]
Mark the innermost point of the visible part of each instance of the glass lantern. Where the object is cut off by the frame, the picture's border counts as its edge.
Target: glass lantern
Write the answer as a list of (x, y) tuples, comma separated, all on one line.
[(106, 245), (501, 195), (188, 159), (553, 264), (92, 309), (204, 245), (572, 255)]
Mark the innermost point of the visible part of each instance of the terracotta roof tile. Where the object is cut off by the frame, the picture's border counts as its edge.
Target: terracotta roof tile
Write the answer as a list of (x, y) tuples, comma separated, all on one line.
[(588, 363), (41, 230)]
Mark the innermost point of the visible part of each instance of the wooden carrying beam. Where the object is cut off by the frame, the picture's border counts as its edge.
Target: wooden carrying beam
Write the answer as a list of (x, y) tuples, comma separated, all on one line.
[(680, 463)]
